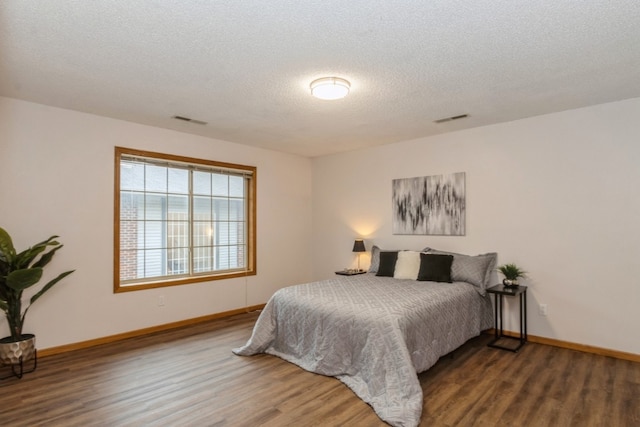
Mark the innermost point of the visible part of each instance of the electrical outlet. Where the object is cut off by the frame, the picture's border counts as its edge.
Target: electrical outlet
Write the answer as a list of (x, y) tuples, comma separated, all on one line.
[(544, 310), (161, 301)]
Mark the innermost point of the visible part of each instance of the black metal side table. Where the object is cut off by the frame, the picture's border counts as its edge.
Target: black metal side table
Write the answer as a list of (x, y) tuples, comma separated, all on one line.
[(499, 291)]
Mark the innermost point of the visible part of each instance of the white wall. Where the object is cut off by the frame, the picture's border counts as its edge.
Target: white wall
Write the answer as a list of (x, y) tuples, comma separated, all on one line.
[(56, 176), (556, 194)]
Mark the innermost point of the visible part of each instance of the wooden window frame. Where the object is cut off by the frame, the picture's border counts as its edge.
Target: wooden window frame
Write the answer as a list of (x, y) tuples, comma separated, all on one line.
[(250, 268)]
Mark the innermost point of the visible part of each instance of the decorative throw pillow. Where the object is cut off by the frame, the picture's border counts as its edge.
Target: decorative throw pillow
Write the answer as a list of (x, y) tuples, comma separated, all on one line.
[(387, 263), (476, 270), (407, 265), (435, 268)]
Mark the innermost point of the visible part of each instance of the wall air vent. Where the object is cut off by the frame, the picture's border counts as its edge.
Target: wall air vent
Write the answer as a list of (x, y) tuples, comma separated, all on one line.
[(448, 119), (190, 120)]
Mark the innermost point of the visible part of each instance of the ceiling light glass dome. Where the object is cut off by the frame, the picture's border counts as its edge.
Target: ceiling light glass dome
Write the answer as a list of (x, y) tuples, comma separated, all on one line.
[(330, 88)]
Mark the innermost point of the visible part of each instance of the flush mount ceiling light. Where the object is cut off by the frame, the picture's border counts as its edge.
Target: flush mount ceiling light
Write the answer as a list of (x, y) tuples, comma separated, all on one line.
[(330, 88)]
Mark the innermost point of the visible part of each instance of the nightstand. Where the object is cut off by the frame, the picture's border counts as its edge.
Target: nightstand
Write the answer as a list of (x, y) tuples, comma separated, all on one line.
[(499, 291), (350, 272)]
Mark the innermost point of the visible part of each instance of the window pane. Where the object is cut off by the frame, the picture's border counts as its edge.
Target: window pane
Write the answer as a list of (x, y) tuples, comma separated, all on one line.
[(128, 235), (178, 208), (221, 257), (221, 233), (220, 209), (242, 256), (177, 234), (131, 205), (202, 260), (220, 184), (131, 175), (236, 210), (139, 237), (178, 181), (178, 261), (153, 262), (156, 178), (202, 208), (236, 259), (202, 183), (236, 186), (154, 234), (236, 233), (202, 233), (155, 207), (128, 265), (242, 232)]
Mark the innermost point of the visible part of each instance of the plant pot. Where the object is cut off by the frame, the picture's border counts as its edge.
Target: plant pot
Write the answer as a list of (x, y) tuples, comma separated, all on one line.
[(510, 282), (17, 352)]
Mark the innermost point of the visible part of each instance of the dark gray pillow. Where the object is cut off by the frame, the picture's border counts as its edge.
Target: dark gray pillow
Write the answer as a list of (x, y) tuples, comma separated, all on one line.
[(435, 268), (387, 263)]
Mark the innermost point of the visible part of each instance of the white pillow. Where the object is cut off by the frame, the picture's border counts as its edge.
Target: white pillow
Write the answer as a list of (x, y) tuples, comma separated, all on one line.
[(407, 265)]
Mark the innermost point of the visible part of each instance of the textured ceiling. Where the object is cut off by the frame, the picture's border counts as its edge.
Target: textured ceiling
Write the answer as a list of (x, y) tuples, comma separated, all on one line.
[(244, 66)]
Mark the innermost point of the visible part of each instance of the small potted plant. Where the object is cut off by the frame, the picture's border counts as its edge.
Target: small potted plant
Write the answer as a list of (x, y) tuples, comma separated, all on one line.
[(511, 273), (18, 272)]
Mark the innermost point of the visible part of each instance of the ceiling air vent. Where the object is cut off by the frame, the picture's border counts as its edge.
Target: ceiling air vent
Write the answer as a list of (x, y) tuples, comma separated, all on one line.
[(190, 120), (448, 119)]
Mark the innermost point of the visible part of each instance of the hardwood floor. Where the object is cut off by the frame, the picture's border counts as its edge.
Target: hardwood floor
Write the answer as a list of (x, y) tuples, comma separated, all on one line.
[(189, 377)]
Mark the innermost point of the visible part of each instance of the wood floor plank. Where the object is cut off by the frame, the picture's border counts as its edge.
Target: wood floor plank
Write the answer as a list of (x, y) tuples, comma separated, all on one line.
[(189, 377)]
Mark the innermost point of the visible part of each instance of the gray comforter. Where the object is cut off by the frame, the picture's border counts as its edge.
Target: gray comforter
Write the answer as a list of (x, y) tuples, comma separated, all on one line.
[(372, 333)]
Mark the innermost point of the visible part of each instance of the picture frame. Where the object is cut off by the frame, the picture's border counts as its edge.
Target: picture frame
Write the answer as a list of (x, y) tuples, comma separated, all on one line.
[(430, 205)]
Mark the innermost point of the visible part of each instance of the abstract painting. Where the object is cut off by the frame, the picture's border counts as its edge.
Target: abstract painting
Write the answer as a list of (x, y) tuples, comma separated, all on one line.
[(432, 205)]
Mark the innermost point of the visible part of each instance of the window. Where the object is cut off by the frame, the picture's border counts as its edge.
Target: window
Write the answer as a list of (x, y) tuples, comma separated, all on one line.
[(181, 220)]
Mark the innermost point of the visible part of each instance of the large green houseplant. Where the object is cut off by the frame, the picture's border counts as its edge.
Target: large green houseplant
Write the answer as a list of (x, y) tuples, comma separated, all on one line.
[(18, 272)]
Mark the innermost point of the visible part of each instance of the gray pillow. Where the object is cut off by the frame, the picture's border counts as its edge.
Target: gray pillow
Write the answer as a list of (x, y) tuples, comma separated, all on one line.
[(375, 259), (472, 269)]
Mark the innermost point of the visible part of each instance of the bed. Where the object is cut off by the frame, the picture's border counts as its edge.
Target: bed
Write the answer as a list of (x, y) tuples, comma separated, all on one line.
[(373, 333)]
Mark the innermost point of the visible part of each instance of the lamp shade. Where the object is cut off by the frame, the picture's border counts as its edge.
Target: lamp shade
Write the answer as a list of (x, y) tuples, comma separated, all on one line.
[(358, 246)]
